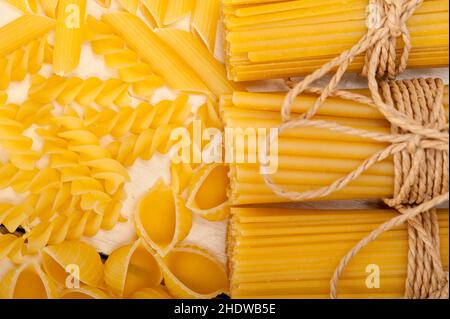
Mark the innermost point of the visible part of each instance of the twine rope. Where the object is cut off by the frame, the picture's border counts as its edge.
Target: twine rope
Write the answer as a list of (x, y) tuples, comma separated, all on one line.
[(416, 138)]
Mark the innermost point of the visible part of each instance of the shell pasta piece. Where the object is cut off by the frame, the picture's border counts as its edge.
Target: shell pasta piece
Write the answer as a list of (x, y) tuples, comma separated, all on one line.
[(162, 219), (73, 259), (192, 272), (207, 194), (27, 281), (159, 292), (131, 268), (84, 292)]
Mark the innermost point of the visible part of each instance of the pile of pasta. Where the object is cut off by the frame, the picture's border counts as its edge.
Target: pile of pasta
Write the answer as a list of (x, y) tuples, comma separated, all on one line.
[(292, 253), (65, 151), (268, 39), (309, 157)]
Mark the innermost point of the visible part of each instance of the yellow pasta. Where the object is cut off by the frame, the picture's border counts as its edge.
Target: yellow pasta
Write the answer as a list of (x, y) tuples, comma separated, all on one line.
[(159, 292), (129, 5), (163, 60), (307, 158), (292, 253), (27, 281), (118, 56), (207, 193), (191, 272), (162, 219), (154, 10), (22, 31), (11, 247), (84, 292), (177, 9), (32, 6), (130, 269), (73, 260), (89, 92), (29, 59), (205, 20), (70, 23), (275, 39), (208, 69)]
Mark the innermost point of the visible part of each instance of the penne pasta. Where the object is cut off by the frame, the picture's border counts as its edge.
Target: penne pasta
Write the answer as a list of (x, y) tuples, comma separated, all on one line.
[(176, 10), (70, 21), (205, 21)]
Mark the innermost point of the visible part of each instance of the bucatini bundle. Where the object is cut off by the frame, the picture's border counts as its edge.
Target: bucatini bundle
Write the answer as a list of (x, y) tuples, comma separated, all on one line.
[(308, 157), (286, 253), (274, 39)]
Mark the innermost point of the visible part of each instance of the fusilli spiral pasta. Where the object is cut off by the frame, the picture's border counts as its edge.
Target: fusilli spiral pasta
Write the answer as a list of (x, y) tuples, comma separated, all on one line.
[(28, 59)]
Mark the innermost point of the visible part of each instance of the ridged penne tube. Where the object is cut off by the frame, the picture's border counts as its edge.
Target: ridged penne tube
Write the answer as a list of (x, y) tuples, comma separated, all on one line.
[(207, 193), (70, 23), (49, 7), (73, 260), (162, 59), (23, 30), (84, 292), (211, 71), (276, 39), (154, 11), (130, 269), (205, 21), (176, 10), (159, 292), (162, 218), (27, 281), (292, 253), (129, 5), (191, 272)]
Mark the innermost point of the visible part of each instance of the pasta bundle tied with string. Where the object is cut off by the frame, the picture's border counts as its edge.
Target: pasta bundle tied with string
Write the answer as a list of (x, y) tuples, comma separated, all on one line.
[(276, 39)]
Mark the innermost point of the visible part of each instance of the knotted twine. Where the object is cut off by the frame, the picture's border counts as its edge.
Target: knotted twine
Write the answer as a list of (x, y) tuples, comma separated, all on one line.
[(419, 143)]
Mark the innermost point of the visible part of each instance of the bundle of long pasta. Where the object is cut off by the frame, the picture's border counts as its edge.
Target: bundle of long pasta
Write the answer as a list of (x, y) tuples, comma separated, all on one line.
[(306, 158), (283, 253), (275, 39)]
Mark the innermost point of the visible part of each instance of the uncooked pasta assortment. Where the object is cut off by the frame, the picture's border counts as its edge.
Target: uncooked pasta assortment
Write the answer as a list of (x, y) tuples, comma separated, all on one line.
[(148, 149)]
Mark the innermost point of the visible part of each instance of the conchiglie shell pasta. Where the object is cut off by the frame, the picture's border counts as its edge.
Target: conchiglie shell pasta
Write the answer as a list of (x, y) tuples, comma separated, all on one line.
[(208, 192), (191, 272), (84, 292), (159, 292), (131, 268), (162, 219), (59, 259), (27, 281)]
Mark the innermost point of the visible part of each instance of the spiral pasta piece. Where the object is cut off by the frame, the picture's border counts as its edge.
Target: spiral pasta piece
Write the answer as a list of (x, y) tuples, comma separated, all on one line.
[(131, 69), (11, 247), (137, 120), (59, 259), (130, 269), (207, 194), (84, 292), (159, 292), (89, 92), (162, 219), (191, 272), (27, 281), (28, 59)]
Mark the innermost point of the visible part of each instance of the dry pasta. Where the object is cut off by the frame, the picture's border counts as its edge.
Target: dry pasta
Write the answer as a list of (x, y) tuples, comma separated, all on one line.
[(162, 219), (307, 158), (191, 272), (159, 292), (286, 38), (27, 281), (291, 253), (57, 261), (26, 60), (130, 269), (205, 21), (11, 247), (84, 292), (32, 6), (70, 24)]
